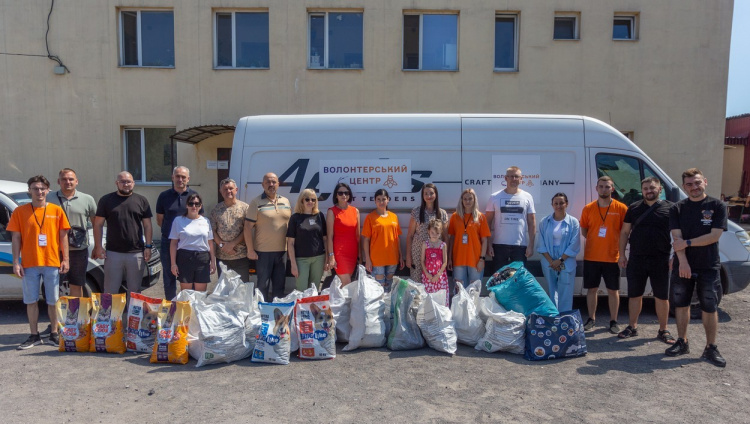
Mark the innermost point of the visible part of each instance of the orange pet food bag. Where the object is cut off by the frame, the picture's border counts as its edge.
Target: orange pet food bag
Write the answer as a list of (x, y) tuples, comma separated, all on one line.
[(106, 322), (171, 335), (74, 323)]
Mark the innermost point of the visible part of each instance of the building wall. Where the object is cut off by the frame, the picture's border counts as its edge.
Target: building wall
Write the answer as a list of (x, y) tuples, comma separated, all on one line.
[(732, 172), (668, 87)]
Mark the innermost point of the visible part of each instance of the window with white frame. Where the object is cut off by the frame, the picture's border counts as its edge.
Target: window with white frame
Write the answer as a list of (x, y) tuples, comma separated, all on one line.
[(506, 42), (566, 26), (147, 38), (624, 27), (335, 40), (148, 154), (430, 42), (241, 40)]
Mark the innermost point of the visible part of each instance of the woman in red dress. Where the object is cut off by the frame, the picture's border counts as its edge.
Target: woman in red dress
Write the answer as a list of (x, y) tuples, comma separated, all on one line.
[(342, 223)]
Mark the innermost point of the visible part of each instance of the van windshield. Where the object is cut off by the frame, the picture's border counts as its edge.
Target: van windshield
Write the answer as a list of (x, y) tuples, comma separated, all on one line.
[(21, 198)]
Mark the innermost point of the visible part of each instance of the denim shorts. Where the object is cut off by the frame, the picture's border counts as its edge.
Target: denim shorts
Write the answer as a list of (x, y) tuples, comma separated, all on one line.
[(31, 283), (467, 274)]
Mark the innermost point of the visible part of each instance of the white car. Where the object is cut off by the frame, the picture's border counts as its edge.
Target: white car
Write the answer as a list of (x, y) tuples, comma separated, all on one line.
[(14, 194)]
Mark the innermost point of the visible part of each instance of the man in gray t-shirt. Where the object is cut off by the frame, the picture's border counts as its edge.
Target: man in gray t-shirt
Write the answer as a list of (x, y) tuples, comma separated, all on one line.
[(80, 208)]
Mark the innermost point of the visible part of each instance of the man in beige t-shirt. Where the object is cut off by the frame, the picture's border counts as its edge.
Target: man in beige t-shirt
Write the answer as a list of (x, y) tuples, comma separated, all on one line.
[(228, 224), (266, 223)]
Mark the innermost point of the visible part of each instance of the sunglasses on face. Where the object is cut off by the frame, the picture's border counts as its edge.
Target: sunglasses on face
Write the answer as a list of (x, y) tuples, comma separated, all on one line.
[(194, 204), (342, 193), (310, 200)]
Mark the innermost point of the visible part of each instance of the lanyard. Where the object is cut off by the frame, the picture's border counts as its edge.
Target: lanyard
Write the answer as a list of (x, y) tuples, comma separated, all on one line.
[(37, 219), (466, 223), (598, 209)]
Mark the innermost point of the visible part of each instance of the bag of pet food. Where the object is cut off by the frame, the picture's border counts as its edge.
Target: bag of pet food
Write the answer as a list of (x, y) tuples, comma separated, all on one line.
[(469, 327), (294, 296), (316, 328), (368, 313), (106, 323), (274, 341), (436, 323), (406, 296), (561, 336), (171, 334), (517, 290), (142, 317), (74, 323)]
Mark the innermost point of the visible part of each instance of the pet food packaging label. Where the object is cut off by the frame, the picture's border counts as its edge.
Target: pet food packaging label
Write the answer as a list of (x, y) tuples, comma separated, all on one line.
[(74, 323), (274, 342), (142, 322), (106, 323), (171, 343), (316, 328)]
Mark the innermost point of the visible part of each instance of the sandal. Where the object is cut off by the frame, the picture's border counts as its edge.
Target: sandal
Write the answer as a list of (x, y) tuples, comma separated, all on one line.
[(666, 337), (628, 332)]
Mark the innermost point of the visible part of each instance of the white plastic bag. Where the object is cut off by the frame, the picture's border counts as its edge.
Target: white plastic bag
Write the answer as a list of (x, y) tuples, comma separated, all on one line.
[(367, 314), (341, 306), (406, 297), (469, 327), (436, 323), (504, 330)]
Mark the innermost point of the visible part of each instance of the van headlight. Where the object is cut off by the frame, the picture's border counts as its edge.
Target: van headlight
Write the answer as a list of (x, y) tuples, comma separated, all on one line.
[(744, 238)]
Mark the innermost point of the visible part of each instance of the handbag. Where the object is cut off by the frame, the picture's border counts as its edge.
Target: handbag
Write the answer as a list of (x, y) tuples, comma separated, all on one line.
[(76, 235), (555, 337)]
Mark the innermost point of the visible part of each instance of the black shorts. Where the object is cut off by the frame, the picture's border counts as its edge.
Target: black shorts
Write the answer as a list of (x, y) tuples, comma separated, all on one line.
[(681, 289), (79, 261), (648, 267), (594, 271), (193, 266)]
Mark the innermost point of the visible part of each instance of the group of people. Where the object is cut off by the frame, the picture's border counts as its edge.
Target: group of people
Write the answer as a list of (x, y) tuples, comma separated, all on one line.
[(268, 230)]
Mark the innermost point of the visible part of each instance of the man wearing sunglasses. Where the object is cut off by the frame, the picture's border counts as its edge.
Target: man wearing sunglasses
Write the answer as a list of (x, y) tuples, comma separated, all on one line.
[(228, 224), (266, 225)]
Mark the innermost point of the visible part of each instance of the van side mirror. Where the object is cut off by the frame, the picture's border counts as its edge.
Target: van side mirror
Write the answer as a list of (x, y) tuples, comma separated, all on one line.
[(673, 194)]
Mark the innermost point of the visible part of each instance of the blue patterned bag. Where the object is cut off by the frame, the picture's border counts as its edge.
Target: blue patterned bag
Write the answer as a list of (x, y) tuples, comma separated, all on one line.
[(555, 337)]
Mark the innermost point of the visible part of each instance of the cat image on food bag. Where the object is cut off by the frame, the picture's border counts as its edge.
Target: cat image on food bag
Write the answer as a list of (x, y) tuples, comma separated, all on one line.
[(106, 323), (280, 329), (171, 336), (74, 324)]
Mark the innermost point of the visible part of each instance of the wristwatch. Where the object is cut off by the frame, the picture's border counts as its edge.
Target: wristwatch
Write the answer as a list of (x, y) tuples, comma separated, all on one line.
[(148, 246), (689, 243), (481, 258)]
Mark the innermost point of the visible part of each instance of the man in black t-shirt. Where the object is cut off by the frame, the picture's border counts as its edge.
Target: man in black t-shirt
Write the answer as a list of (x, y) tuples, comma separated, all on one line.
[(128, 218), (646, 227), (697, 224)]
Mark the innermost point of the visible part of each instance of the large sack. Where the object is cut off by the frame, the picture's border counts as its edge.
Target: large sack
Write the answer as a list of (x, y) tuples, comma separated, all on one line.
[(436, 323), (341, 306), (171, 343), (504, 330), (406, 297), (74, 323), (316, 328), (555, 337), (106, 323), (469, 327), (367, 314), (517, 290)]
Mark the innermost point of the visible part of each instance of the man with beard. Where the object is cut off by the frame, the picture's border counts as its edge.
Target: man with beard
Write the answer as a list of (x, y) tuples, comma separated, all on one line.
[(646, 228), (697, 224), (128, 216), (601, 223)]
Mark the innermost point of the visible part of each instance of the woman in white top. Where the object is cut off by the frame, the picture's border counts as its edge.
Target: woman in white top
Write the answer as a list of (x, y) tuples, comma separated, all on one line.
[(191, 248)]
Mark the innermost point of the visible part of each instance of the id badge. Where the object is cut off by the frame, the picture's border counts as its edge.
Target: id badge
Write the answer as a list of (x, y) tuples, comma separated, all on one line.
[(311, 221), (465, 239), (602, 231), (42, 240)]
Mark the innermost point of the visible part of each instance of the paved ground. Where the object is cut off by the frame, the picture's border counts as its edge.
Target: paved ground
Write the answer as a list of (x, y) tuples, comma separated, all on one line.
[(617, 381)]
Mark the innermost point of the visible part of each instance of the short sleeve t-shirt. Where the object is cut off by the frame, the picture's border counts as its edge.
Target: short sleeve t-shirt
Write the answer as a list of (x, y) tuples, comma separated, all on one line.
[(604, 225), (651, 235), (509, 225), (307, 231), (467, 254), (172, 204), (192, 234), (124, 216), (79, 209), (30, 222), (271, 221), (695, 219), (229, 222), (383, 232)]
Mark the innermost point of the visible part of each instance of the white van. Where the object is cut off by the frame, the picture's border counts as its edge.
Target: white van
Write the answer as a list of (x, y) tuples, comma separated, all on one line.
[(402, 152)]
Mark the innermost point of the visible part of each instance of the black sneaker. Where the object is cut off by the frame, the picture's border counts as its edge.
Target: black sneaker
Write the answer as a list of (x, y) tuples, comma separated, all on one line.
[(712, 355), (680, 347), (54, 339), (32, 341), (614, 328), (589, 325), (46, 332)]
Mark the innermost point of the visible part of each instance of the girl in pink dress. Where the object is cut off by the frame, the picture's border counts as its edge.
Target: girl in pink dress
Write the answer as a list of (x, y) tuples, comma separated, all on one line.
[(435, 260)]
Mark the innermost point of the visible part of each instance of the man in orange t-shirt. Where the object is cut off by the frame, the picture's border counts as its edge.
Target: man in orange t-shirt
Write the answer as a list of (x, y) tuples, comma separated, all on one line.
[(601, 222), (40, 239)]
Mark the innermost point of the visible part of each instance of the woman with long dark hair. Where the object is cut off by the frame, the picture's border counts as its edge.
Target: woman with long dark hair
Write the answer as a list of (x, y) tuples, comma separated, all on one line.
[(342, 226), (417, 234)]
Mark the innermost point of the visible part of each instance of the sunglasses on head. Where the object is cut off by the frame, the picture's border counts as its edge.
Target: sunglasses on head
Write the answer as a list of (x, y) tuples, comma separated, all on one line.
[(194, 204), (310, 200)]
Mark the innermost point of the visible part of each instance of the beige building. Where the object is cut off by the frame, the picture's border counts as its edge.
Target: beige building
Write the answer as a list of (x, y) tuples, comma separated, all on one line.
[(142, 70)]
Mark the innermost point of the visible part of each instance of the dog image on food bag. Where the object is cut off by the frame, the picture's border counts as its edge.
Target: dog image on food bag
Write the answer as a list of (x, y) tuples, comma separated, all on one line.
[(75, 327), (316, 328), (106, 323), (274, 341), (142, 322)]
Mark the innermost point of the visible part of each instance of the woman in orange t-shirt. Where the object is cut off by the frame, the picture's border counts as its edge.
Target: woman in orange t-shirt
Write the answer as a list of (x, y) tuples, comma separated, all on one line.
[(342, 226), (468, 233), (381, 243)]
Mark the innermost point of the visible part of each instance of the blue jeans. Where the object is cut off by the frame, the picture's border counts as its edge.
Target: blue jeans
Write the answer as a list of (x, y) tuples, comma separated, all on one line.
[(466, 275), (170, 281), (560, 286), (31, 284), (385, 271)]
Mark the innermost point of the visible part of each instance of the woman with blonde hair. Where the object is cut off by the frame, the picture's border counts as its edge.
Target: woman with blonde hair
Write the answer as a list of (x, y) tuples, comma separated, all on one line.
[(306, 239), (468, 233)]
